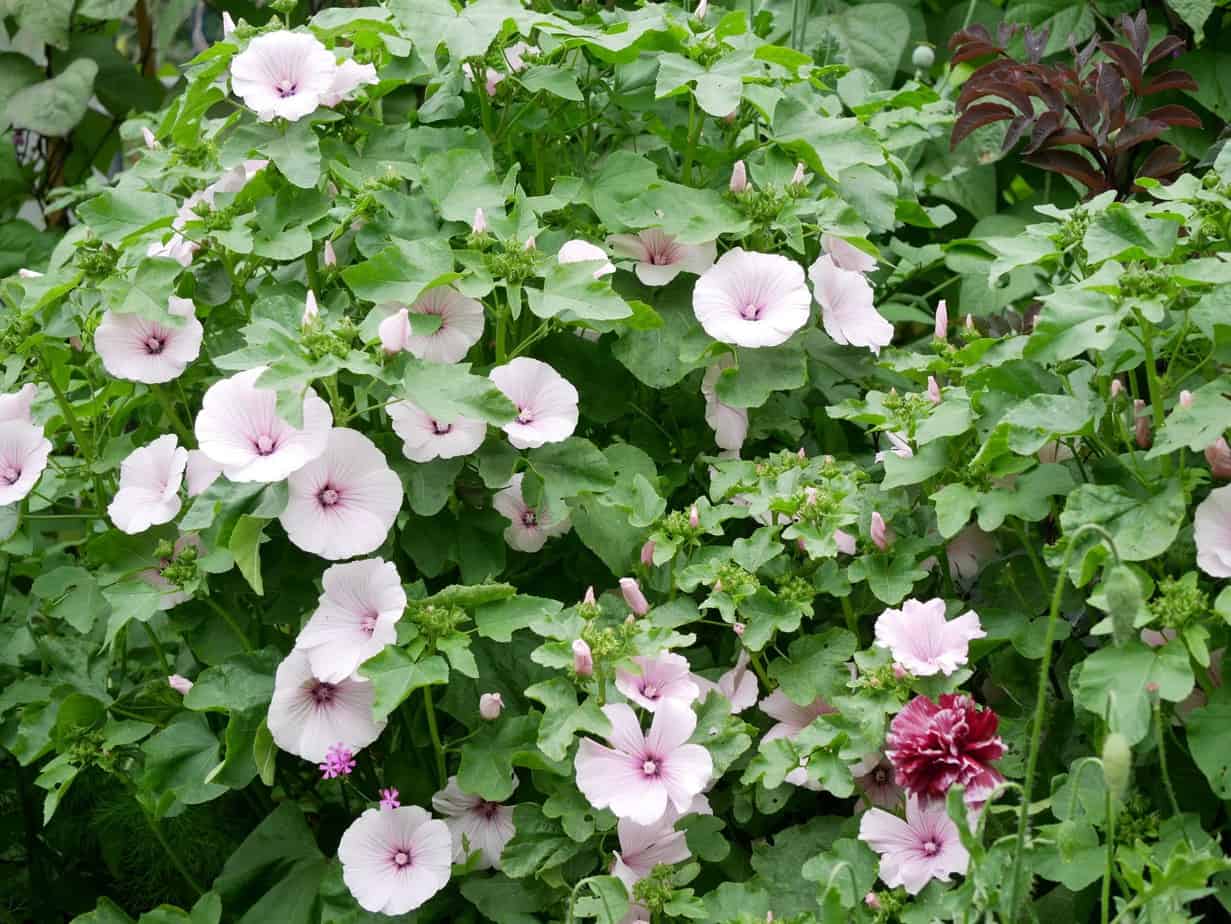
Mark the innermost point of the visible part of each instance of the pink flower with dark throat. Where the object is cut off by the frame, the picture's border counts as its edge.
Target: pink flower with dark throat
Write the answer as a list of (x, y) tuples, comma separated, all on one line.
[(924, 847), (240, 430), (425, 438), (283, 75), (23, 456), (394, 860), (923, 641), (16, 405), (150, 480), (355, 619), (641, 773), (1211, 527), (308, 716), (660, 258), (663, 677), (935, 746), (752, 299), (529, 527), (848, 310), (847, 256), (874, 777), (730, 424), (546, 402), (474, 824), (461, 326), (140, 350), (343, 503)]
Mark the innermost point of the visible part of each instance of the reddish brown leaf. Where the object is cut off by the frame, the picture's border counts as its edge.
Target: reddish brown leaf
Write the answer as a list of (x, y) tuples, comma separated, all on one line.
[(1169, 80), (1066, 138), (976, 117), (1071, 164), (1044, 127), (1137, 132), (1128, 63), (1173, 114), (1164, 161), (1169, 47)]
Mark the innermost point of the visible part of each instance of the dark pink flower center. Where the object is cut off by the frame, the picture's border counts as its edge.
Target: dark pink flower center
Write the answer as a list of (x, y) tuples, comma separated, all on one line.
[(525, 416), (487, 810), (529, 519), (931, 848), (368, 624), (328, 496), (650, 767), (751, 311), (321, 693), (402, 857), (440, 429), (265, 444), (10, 473), (286, 87), (649, 690), (154, 344)]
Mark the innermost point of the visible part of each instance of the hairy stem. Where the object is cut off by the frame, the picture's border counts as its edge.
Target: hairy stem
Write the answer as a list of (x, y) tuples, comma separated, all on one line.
[(430, 709)]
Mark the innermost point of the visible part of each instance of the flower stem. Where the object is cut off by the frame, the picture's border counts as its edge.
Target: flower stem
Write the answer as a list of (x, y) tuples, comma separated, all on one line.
[(171, 854), (430, 709), (1162, 760), (1110, 860), (168, 407), (70, 417)]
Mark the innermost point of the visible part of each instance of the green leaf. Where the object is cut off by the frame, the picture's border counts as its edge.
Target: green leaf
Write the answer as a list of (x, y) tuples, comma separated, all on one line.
[(401, 271), (571, 293), (1064, 22), (607, 900), (1194, 13), (1207, 740), (179, 758), (759, 373), (571, 467), (816, 666), (457, 201), (1198, 426), (489, 756), (395, 676), (245, 546), (242, 682), (872, 36), (562, 719), (145, 291), (1142, 528), (1125, 232), (507, 901), (275, 874), (448, 392), (1112, 683), (297, 154), (556, 80), (115, 215), (538, 845), (55, 106), (499, 620)]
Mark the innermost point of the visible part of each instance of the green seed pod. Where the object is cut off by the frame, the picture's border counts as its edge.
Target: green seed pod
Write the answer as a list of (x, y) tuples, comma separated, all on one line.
[(1125, 603), (1117, 765), (923, 57)]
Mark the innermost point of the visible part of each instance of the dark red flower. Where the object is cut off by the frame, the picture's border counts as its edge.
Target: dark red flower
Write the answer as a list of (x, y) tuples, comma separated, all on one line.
[(932, 747)]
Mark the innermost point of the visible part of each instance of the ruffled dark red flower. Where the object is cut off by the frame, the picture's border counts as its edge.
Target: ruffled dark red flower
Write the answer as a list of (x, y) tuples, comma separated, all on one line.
[(932, 747)]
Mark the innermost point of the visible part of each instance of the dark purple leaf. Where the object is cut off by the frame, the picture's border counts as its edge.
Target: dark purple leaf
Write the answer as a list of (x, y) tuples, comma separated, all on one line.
[(1014, 132), (1036, 43), (1169, 80), (1173, 114), (1044, 127), (1169, 47), (977, 116), (1164, 161), (1137, 132), (1128, 63), (1071, 164)]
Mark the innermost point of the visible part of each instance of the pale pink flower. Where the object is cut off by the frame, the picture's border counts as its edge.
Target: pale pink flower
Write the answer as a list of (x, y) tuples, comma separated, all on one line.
[(968, 552), (882, 536), (283, 75), (529, 527), (136, 348), (660, 258), (792, 719), (150, 480), (739, 178), (752, 299), (703, 7), (150, 139), (730, 424), (1186, 398), (922, 641), (663, 677), (583, 659), (577, 251), (588, 597), (474, 824), (425, 438), (16, 405), (179, 248), (1218, 456), (515, 55), (642, 772), (329, 256), (394, 860), (461, 326), (311, 311), (492, 78), (1142, 425), (239, 428), (643, 847), (490, 706), (898, 446), (800, 178), (738, 685), (631, 591), (848, 309), (1117, 387), (647, 554), (1211, 524), (26, 273), (924, 847), (874, 778), (546, 402), (355, 618), (694, 517), (941, 331), (342, 503), (479, 224), (202, 471), (348, 76), (228, 25), (844, 541), (934, 390), (179, 684), (308, 716), (846, 256)]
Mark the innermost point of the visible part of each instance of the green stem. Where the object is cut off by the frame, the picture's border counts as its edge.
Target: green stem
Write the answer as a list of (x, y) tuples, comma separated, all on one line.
[(694, 130), (230, 621), (157, 645), (759, 669), (852, 621), (171, 854), (430, 709), (313, 271), (1162, 760), (1040, 707), (1110, 859), (70, 417), (502, 333), (168, 407)]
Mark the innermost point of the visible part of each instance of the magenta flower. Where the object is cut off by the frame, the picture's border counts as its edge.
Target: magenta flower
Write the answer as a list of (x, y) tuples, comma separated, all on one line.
[(283, 75), (585, 252), (136, 348), (308, 716), (642, 772), (848, 310), (738, 685), (660, 258), (474, 824), (461, 326), (23, 456), (924, 847), (339, 761), (389, 798), (630, 590), (792, 719), (355, 619), (239, 429), (16, 405), (730, 424), (752, 299), (529, 527), (343, 503), (394, 860), (546, 402), (150, 480), (663, 677), (425, 438), (922, 641), (348, 76), (847, 256), (935, 746), (874, 777), (1211, 526)]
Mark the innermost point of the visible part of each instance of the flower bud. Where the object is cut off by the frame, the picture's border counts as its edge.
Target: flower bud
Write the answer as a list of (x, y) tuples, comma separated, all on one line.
[(738, 629), (148, 137), (647, 553), (330, 258), (1117, 389), (810, 495), (739, 177), (899, 672), (694, 518), (702, 8), (1218, 455), (633, 596), (479, 224), (942, 320), (1186, 398), (25, 273), (923, 57), (311, 313), (880, 532), (228, 25), (933, 390), (490, 706), (180, 685), (872, 901), (799, 178), (970, 322), (1117, 765), (1141, 425), (718, 586), (589, 599), (844, 541), (583, 660)]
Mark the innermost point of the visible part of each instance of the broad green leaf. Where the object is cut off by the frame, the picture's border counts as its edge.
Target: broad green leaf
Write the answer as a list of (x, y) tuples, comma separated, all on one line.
[(395, 675), (1112, 683), (757, 374), (815, 666), (562, 718), (1207, 741), (553, 79), (499, 620), (276, 872), (448, 392), (55, 106), (179, 758), (245, 546), (571, 467), (115, 215), (1142, 527), (489, 756), (1125, 232), (571, 293), (297, 154), (241, 683), (401, 271)]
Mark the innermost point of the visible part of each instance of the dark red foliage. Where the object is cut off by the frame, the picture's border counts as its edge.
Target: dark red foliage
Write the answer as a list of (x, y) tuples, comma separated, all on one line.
[(934, 746), (1090, 119)]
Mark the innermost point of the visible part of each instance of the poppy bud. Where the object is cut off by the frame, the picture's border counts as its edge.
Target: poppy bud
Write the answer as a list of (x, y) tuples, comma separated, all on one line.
[(490, 706), (1117, 765)]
